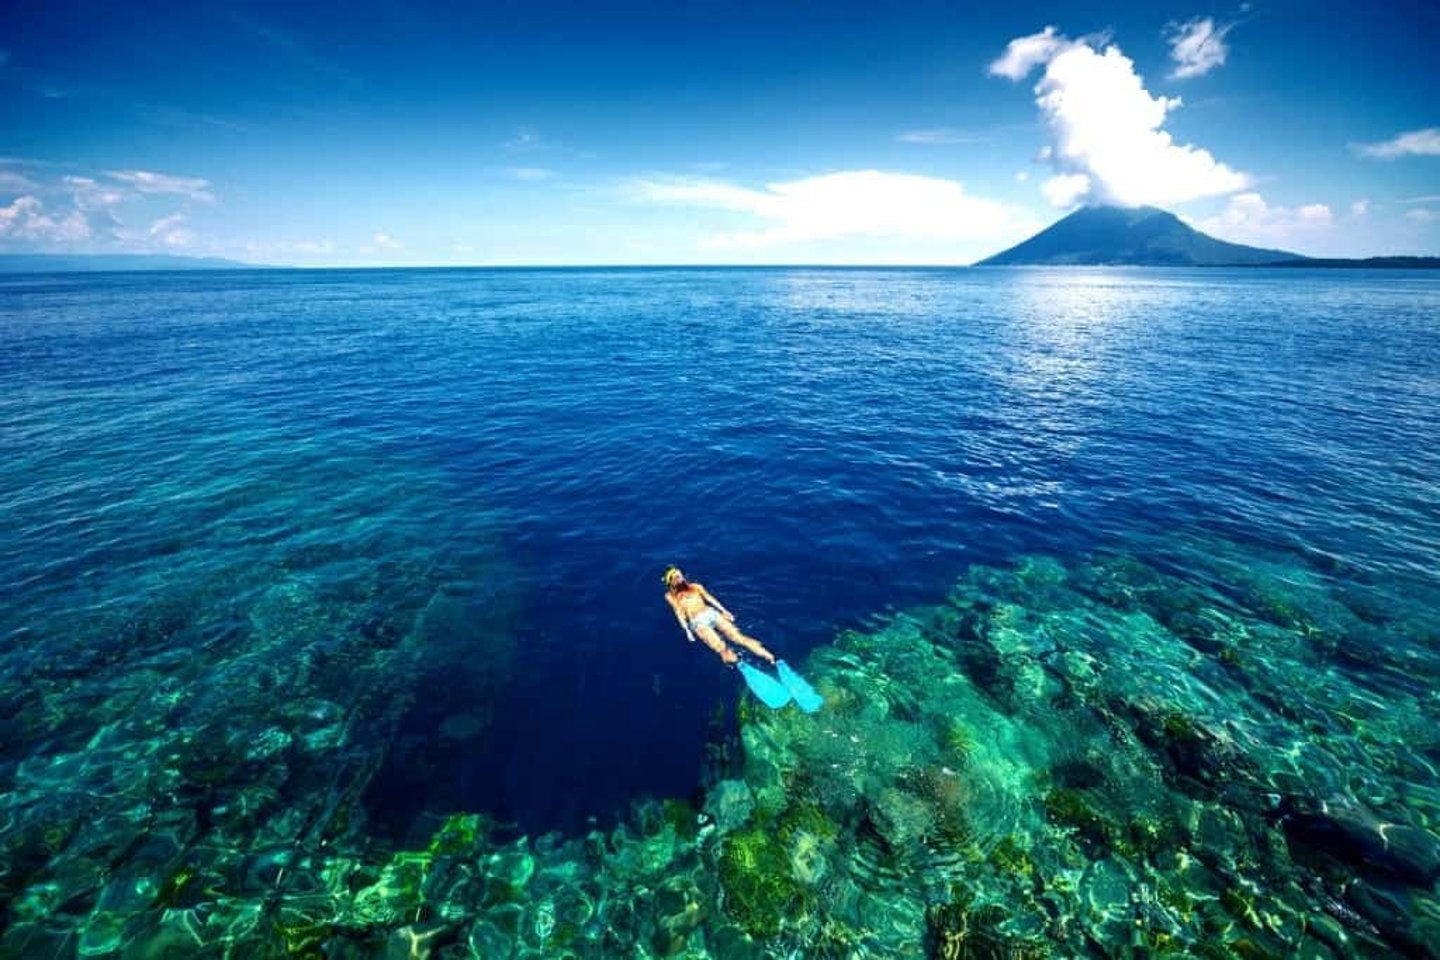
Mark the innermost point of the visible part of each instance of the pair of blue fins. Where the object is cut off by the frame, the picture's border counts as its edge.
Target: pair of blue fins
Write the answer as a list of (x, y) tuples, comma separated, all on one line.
[(776, 693)]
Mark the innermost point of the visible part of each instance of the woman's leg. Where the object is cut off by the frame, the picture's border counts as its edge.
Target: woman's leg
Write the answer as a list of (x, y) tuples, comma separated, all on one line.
[(711, 639), (749, 643)]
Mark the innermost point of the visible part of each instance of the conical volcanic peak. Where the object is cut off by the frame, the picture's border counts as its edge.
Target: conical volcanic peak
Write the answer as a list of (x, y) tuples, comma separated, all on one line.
[(1130, 236)]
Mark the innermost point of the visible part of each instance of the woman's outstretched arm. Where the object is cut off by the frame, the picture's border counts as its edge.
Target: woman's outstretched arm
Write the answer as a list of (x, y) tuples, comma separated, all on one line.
[(680, 615)]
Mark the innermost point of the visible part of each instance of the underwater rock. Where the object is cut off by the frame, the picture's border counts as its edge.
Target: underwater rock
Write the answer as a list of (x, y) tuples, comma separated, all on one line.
[(730, 804), (103, 933), (807, 858), (960, 930), (487, 940), (512, 869), (730, 941), (759, 889), (679, 911), (901, 817), (1072, 808), (415, 941), (1394, 915), (1355, 835), (1195, 751)]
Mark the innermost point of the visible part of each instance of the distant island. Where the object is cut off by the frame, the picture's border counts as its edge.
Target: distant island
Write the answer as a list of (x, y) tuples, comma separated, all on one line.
[(1150, 237), (1139, 236), (97, 262), (1386, 263)]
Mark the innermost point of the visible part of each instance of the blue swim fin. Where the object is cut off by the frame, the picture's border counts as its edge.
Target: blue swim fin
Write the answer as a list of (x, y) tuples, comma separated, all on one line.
[(805, 696), (771, 692)]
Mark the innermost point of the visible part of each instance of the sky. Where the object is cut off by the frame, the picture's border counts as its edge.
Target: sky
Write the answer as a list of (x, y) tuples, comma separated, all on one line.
[(381, 132)]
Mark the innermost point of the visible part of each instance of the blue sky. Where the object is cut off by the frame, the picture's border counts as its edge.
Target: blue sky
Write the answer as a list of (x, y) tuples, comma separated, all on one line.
[(376, 133)]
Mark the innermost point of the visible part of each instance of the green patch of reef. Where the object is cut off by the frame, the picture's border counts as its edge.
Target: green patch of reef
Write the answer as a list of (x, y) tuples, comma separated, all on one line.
[(1222, 754)]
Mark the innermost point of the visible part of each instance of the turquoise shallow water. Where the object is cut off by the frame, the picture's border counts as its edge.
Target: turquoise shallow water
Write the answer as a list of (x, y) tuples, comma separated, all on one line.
[(331, 618)]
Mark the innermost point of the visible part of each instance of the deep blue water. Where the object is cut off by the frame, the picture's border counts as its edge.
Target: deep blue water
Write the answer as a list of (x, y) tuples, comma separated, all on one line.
[(512, 458)]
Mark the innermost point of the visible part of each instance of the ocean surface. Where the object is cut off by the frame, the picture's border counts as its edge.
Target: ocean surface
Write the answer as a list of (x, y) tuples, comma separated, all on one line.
[(299, 568)]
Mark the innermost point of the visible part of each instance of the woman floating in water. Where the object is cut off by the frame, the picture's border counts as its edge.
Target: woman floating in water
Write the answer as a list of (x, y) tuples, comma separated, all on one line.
[(700, 614)]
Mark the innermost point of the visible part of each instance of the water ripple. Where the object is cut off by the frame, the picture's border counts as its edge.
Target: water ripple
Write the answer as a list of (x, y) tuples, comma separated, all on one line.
[(816, 445)]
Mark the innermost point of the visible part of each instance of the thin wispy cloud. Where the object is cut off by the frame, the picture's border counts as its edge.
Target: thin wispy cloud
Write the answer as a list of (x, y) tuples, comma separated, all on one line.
[(149, 182), (307, 251), (530, 140), (1416, 143), (1197, 46), (850, 204), (531, 174), (167, 115), (13, 181), (384, 241), (33, 163), (1108, 142), (941, 135), (90, 194), (1427, 198), (294, 51), (524, 139)]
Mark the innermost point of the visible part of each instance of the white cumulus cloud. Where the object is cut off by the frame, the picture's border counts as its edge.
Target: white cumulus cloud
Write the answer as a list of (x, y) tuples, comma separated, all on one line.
[(1197, 46), (1108, 144), (1024, 54), (171, 232), (850, 204), (1248, 218), (1066, 189), (1416, 143), (62, 207), (1360, 207), (27, 220), (383, 241)]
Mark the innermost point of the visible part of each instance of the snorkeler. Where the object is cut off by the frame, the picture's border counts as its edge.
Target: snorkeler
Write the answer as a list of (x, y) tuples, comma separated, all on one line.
[(700, 614)]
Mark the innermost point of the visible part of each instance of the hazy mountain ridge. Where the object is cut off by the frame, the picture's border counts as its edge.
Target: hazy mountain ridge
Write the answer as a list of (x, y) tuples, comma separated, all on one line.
[(97, 262), (1381, 263)]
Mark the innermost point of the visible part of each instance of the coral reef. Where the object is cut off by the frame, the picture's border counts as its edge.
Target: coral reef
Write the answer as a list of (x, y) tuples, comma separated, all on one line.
[(1094, 758)]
